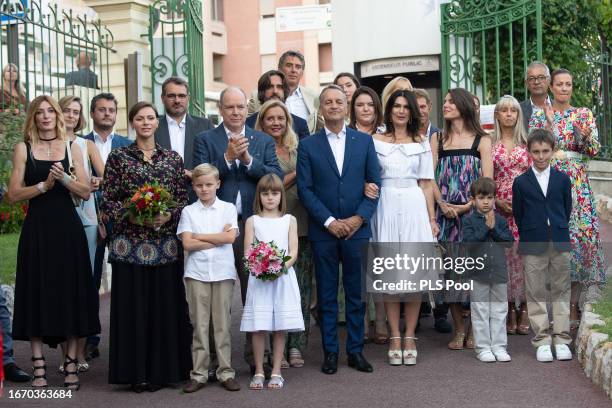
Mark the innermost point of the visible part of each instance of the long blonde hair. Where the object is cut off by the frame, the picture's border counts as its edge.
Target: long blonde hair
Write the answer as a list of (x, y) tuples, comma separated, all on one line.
[(17, 84), (393, 86), (519, 136), (30, 130), (289, 140)]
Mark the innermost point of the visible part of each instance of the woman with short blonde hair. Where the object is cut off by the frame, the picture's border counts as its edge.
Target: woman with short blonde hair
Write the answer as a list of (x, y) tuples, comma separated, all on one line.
[(397, 83)]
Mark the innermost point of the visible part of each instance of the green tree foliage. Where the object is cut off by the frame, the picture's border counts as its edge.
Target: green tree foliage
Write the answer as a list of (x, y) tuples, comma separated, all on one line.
[(570, 39)]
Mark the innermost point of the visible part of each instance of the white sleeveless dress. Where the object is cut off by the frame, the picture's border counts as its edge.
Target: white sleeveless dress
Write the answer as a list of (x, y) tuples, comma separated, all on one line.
[(273, 305)]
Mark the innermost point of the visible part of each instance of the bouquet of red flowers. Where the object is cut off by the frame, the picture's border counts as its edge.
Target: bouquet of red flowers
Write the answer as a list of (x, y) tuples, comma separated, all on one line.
[(265, 260), (147, 202)]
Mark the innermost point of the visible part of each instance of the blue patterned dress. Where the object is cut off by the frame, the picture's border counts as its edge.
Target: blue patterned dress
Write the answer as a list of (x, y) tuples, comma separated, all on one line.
[(456, 170)]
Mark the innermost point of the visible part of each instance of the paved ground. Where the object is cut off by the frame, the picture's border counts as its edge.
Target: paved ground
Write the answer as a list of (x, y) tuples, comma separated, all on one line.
[(442, 378)]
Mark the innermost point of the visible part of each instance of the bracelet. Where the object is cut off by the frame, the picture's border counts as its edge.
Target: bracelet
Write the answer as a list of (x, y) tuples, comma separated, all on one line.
[(66, 179), (41, 187)]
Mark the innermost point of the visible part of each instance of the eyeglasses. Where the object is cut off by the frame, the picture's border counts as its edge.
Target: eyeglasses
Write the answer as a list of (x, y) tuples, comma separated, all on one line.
[(177, 96), (539, 78)]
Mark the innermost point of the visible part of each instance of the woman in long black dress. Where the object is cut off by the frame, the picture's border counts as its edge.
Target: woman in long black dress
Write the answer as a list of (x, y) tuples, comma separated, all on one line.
[(150, 334), (54, 293)]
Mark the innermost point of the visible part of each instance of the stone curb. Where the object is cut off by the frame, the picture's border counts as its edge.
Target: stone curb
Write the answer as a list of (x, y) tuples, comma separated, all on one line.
[(594, 350)]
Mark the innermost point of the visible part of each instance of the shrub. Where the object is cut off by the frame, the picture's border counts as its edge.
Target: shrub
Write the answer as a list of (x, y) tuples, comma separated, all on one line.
[(11, 128)]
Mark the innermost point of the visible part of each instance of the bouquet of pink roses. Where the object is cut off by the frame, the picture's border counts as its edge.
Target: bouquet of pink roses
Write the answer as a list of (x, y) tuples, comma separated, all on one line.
[(265, 260)]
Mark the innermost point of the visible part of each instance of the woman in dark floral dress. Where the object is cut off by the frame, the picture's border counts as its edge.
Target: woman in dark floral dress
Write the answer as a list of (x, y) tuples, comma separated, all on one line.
[(150, 335)]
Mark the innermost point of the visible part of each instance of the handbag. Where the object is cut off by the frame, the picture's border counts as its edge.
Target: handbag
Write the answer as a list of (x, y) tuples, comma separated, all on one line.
[(71, 172)]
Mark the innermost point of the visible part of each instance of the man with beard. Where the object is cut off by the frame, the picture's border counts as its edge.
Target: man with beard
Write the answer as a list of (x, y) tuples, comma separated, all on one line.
[(103, 113), (177, 129), (272, 85)]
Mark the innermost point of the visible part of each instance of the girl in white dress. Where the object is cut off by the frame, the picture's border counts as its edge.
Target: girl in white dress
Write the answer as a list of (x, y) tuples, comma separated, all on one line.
[(271, 306), (405, 212)]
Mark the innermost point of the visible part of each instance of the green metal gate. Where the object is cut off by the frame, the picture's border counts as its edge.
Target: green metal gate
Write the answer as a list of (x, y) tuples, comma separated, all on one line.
[(56, 51), (487, 45), (176, 32), (598, 82)]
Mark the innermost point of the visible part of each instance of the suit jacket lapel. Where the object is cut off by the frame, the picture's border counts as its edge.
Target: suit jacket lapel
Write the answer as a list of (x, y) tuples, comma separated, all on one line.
[(164, 134), (551, 179), (327, 151), (307, 100), (348, 150), (189, 140), (531, 177)]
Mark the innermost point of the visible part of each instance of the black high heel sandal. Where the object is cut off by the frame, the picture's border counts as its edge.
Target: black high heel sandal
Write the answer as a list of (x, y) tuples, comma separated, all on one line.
[(73, 386), (42, 367)]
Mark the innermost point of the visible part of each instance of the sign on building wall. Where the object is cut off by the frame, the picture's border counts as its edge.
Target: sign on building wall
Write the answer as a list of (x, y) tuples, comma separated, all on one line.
[(389, 66), (303, 18)]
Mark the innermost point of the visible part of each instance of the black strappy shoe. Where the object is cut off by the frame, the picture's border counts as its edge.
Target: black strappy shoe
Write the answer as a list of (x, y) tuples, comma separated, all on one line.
[(73, 386), (42, 367)]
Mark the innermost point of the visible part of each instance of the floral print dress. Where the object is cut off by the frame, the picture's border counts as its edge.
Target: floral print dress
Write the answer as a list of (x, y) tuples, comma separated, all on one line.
[(587, 259), (506, 167)]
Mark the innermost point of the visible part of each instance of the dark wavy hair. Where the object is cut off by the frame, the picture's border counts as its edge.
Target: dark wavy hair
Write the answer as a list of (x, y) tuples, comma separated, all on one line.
[(378, 116), (265, 83), (464, 101), (413, 107)]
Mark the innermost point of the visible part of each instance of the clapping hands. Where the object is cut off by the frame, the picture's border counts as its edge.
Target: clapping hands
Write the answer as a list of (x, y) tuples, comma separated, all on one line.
[(238, 149)]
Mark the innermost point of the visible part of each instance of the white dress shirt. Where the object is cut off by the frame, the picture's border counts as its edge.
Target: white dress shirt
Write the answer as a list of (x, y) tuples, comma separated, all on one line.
[(337, 142), (296, 104), (177, 135), (214, 264), (542, 178), (229, 165), (104, 147)]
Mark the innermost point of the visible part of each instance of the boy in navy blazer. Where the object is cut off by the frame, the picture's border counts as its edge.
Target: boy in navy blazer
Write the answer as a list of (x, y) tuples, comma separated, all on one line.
[(542, 203)]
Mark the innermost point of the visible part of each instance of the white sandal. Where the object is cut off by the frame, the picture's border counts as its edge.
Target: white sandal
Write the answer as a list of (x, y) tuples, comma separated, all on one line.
[(276, 382), (257, 382), (410, 355), (395, 356)]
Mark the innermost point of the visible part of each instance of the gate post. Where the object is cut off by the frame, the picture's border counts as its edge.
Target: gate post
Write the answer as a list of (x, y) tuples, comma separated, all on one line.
[(128, 21)]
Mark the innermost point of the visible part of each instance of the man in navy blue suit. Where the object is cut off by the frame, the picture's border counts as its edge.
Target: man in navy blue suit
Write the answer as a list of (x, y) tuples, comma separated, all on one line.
[(103, 112), (541, 204), (242, 156), (333, 166), (272, 85)]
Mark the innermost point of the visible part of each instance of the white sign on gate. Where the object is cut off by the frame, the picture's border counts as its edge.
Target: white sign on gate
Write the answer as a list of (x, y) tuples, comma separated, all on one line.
[(303, 18)]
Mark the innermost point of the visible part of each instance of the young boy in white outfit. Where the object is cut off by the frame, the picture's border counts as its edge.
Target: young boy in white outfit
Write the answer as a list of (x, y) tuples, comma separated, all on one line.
[(207, 229)]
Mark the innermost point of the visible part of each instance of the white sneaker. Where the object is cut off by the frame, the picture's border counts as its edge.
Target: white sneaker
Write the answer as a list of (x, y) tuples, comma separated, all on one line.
[(544, 354), (486, 357), (501, 355), (562, 352)]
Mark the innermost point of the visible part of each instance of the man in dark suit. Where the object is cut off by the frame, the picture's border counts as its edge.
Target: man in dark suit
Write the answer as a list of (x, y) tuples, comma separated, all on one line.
[(537, 79), (541, 205), (178, 129), (272, 85), (332, 166), (84, 76), (242, 156), (103, 112)]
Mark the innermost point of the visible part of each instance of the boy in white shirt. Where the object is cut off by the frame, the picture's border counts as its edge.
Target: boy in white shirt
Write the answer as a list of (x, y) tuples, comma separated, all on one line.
[(207, 229)]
